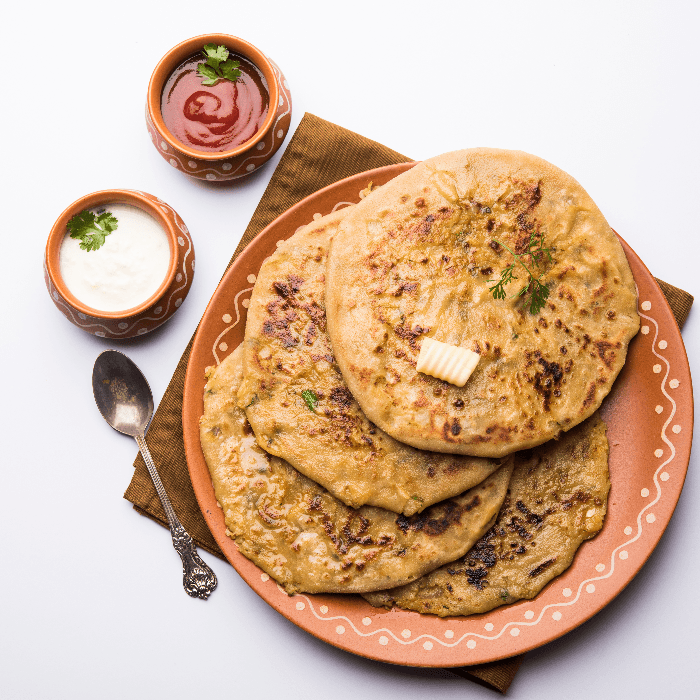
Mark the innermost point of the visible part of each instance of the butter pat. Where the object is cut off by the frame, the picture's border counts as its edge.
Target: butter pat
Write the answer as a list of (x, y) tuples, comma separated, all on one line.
[(447, 362)]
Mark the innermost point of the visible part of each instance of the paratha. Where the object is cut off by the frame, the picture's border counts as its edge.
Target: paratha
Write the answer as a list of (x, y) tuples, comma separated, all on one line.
[(301, 409), (556, 500), (305, 538), (420, 256)]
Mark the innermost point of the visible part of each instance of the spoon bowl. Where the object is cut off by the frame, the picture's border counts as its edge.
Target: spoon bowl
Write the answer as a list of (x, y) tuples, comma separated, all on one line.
[(122, 393)]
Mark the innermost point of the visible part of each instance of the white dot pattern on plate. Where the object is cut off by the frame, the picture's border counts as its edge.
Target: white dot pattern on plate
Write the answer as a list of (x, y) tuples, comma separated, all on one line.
[(300, 605), (226, 167), (245, 303), (383, 640), (192, 164), (674, 383), (340, 629), (180, 241), (158, 309), (123, 325), (164, 145), (366, 621), (251, 279), (646, 305), (281, 101), (427, 646), (223, 347), (260, 146), (663, 344), (406, 634), (471, 644), (659, 453), (676, 429), (659, 409), (173, 162), (211, 176), (264, 578), (80, 315), (651, 518), (100, 334), (556, 616), (645, 493), (449, 634), (664, 476), (566, 592), (600, 568), (226, 318), (645, 330), (623, 555), (324, 609), (250, 167), (529, 614), (178, 303), (280, 134), (141, 331), (178, 277), (514, 632), (657, 369), (488, 626), (590, 588)]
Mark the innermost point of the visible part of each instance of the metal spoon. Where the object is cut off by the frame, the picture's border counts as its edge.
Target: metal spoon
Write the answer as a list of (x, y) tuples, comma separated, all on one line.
[(125, 401)]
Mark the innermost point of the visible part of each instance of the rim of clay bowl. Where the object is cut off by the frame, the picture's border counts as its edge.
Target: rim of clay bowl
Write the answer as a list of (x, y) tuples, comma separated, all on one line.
[(90, 201), (189, 48)]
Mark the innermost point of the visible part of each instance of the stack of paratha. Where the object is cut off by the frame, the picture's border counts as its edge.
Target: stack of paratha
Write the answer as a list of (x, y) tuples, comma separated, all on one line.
[(340, 468)]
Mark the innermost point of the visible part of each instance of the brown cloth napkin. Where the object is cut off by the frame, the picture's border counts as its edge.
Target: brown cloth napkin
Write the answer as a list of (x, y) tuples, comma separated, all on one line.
[(319, 154)]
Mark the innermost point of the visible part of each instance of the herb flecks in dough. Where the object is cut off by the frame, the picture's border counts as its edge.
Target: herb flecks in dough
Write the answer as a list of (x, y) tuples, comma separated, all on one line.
[(310, 399)]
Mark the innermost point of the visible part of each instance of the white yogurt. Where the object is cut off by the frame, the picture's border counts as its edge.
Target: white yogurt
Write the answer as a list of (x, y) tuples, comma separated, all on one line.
[(127, 270)]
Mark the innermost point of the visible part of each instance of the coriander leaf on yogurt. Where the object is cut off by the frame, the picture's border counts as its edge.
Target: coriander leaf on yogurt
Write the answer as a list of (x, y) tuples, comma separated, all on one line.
[(91, 230), (218, 65)]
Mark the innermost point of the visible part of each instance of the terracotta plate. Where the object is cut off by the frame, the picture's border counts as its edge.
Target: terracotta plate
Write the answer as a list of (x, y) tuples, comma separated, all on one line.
[(650, 425)]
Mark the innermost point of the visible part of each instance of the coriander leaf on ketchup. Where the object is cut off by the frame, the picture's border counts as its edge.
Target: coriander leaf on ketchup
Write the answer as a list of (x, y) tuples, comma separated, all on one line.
[(218, 66), (216, 105)]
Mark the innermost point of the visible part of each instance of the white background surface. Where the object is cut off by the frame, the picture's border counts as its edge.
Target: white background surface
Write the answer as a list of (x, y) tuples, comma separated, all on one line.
[(91, 603)]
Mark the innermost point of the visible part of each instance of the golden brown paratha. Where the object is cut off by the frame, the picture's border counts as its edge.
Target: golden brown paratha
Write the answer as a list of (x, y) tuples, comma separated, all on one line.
[(302, 411), (304, 537), (418, 257), (556, 500)]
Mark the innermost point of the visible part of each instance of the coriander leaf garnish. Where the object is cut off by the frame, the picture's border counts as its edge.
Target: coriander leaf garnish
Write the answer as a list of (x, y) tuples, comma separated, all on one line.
[(92, 230), (310, 398), (538, 292), (218, 65)]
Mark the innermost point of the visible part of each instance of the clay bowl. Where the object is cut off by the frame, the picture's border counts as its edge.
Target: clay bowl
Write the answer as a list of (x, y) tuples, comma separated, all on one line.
[(242, 160), (155, 310)]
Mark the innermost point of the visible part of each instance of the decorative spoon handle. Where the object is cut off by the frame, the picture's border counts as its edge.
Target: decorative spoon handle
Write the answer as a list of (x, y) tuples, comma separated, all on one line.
[(197, 578)]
